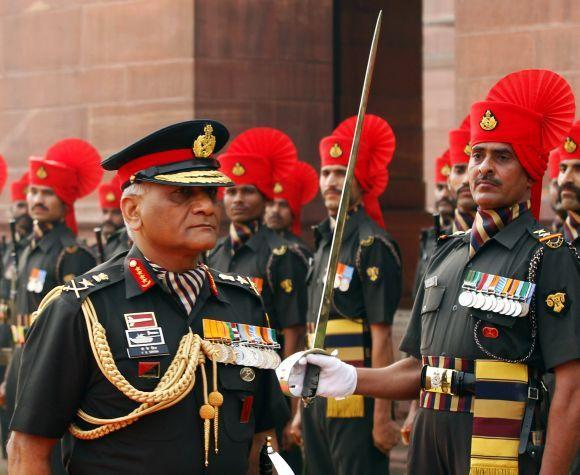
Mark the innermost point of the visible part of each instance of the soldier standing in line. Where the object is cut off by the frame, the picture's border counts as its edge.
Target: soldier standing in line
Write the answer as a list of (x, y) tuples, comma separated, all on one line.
[(291, 193), (554, 189), (115, 361), (113, 232), (355, 435), (496, 310), (255, 161), (52, 256), (569, 185)]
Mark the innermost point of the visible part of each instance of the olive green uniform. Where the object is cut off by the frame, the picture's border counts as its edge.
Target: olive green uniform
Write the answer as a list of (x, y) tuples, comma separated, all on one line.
[(59, 376), (344, 445), (441, 327)]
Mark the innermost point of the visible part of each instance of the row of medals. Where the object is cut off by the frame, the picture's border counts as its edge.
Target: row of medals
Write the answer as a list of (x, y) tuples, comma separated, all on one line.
[(497, 301), (244, 355)]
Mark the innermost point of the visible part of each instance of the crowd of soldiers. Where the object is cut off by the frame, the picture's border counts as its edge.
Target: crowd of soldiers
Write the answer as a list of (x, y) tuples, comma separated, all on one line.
[(153, 350)]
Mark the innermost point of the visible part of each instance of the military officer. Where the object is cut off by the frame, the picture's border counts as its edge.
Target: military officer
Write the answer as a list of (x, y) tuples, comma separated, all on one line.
[(354, 435), (569, 185), (276, 266), (115, 361), (114, 233), (554, 189), (444, 211), (291, 193), (497, 308)]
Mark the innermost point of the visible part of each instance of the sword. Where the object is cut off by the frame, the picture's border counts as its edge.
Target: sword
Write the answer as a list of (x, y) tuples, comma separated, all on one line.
[(313, 372)]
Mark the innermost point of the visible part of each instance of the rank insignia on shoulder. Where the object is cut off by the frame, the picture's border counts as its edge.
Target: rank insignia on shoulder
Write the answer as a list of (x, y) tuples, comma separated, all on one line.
[(231, 278), (286, 285), (75, 287), (280, 251), (373, 273), (67, 278), (367, 241), (552, 240), (431, 282), (100, 277), (557, 302)]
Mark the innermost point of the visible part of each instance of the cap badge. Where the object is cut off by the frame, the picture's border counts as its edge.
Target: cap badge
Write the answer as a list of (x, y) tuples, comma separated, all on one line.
[(238, 169), (278, 188), (569, 145), (446, 170), (41, 173), (110, 197), (335, 151), (204, 144), (488, 121), (467, 150)]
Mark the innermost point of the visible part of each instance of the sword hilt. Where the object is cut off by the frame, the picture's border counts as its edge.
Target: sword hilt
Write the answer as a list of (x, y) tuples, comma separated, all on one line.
[(310, 384)]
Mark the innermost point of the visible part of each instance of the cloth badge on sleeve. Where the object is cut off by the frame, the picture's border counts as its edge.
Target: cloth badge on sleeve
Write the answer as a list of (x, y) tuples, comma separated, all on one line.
[(557, 302), (343, 277)]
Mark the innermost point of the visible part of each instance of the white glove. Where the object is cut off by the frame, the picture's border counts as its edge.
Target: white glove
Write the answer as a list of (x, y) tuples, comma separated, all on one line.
[(337, 379)]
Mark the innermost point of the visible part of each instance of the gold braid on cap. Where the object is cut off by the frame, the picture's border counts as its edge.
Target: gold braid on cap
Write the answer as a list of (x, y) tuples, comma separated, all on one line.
[(175, 385)]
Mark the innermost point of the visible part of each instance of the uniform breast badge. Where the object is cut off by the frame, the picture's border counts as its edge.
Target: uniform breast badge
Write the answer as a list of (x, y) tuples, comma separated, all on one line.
[(373, 273), (343, 277), (242, 344), (494, 293), (287, 286), (144, 337)]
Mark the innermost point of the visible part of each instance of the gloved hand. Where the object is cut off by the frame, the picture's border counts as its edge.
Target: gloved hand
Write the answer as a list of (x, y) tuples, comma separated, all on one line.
[(337, 379)]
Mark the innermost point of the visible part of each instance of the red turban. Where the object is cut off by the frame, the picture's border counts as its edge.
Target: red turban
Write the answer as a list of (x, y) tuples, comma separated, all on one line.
[(532, 110), (110, 193), (19, 188), (3, 173), (376, 148), (298, 188), (256, 156), (459, 149), (442, 168), (554, 164), (72, 168)]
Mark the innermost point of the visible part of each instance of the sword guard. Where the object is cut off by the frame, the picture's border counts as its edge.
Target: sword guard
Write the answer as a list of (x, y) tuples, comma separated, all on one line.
[(310, 385)]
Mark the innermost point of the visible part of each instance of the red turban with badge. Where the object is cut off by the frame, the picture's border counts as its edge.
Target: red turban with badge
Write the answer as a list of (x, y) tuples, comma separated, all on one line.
[(554, 164), (72, 168), (442, 167), (19, 188), (459, 149), (297, 188), (257, 156), (110, 193), (3, 173), (532, 110), (376, 148), (570, 146)]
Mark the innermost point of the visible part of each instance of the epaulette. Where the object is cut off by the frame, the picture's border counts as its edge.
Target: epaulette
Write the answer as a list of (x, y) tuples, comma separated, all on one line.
[(86, 284), (550, 239), (236, 280), (368, 241)]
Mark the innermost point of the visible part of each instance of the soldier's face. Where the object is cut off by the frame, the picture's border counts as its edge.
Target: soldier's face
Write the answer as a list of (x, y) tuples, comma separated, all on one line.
[(44, 205), (496, 177), (459, 191), (243, 203), (112, 218), (443, 204), (569, 184), (18, 208), (555, 201), (173, 219), (278, 215), (331, 183)]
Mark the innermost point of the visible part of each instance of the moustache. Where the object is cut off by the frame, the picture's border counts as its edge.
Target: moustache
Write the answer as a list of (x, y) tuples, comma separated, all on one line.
[(444, 200), (569, 187), (332, 191), (42, 207), (489, 179)]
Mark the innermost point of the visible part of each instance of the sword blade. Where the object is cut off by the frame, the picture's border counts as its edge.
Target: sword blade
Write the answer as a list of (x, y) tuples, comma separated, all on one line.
[(313, 372), (328, 289)]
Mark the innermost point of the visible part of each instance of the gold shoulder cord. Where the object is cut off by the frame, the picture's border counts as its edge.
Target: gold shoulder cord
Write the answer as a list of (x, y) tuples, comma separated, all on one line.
[(176, 383)]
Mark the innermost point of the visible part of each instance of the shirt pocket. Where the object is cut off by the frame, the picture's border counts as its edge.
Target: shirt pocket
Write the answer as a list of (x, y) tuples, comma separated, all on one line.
[(432, 299), (237, 396), (495, 318)]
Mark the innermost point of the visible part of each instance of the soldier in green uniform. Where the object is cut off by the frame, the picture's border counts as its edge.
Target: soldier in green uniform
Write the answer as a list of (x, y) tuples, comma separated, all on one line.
[(291, 192), (569, 185), (115, 361), (53, 256), (113, 234), (354, 435), (256, 161), (498, 307), (22, 227)]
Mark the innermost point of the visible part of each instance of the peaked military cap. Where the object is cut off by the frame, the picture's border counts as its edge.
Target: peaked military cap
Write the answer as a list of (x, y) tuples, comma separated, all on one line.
[(180, 154)]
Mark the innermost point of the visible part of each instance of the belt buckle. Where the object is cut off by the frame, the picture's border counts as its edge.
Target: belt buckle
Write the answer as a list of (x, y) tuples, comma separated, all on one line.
[(438, 380), (533, 393)]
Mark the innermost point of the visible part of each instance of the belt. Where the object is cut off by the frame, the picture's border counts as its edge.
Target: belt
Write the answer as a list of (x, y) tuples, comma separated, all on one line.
[(441, 397)]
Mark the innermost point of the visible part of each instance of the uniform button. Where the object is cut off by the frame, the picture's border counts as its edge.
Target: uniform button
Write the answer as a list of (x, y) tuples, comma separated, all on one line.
[(424, 307), (454, 308), (489, 315), (132, 263)]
